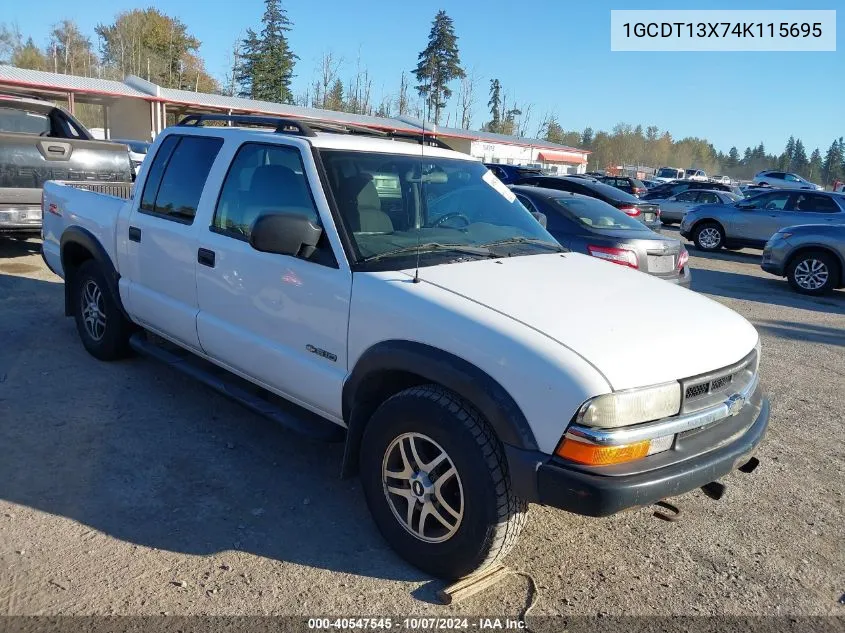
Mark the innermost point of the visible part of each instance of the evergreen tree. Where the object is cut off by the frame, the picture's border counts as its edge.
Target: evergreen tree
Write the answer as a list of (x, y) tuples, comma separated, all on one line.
[(832, 165), (29, 56), (438, 64), (799, 158), (814, 169), (495, 105), (733, 157), (587, 136), (334, 99), (785, 162), (267, 61)]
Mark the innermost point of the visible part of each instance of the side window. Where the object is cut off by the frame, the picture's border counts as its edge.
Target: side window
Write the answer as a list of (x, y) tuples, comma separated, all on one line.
[(707, 197), (687, 196), (791, 178), (526, 202), (772, 201), (262, 179), (815, 203), (177, 177)]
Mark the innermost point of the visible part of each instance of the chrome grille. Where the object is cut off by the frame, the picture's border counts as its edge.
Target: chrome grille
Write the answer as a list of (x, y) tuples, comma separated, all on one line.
[(709, 389)]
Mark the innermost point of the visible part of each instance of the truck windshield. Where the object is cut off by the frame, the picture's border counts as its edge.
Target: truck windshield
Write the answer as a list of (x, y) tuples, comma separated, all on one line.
[(666, 172), (23, 122), (389, 203)]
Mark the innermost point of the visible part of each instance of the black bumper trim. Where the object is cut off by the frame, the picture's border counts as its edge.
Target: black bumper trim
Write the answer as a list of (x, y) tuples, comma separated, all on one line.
[(553, 484)]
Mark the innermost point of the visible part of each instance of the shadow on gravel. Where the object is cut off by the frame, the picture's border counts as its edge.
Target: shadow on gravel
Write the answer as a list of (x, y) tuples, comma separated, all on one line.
[(143, 454), (804, 332), (12, 247), (772, 291)]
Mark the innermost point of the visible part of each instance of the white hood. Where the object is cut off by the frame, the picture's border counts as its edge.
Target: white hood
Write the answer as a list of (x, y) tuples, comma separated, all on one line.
[(635, 329)]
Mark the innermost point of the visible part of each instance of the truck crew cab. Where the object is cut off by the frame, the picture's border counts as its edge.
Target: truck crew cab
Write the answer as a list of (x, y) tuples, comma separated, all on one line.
[(399, 294)]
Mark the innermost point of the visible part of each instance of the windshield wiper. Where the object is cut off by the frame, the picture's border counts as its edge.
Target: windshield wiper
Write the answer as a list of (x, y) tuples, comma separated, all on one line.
[(481, 251), (536, 241)]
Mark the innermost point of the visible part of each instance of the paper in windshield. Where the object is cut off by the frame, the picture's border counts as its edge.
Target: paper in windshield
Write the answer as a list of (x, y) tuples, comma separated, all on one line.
[(498, 185)]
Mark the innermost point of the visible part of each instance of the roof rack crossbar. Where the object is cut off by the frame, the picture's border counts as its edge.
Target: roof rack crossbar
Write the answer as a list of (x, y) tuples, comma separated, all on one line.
[(281, 124)]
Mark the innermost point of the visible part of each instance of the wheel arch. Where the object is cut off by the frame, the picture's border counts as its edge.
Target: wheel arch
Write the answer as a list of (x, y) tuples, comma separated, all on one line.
[(389, 367), (77, 246)]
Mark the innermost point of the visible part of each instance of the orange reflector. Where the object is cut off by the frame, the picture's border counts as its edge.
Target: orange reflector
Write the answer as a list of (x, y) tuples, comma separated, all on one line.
[(595, 455)]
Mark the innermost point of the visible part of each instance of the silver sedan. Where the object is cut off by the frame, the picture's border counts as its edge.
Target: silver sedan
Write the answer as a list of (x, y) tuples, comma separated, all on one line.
[(674, 208)]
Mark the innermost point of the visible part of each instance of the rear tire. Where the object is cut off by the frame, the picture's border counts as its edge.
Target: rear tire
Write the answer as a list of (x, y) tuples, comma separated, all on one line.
[(708, 236), (469, 486), (813, 272), (101, 325)]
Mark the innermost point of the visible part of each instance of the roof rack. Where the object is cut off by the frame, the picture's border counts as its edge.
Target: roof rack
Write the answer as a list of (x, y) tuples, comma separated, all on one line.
[(283, 125)]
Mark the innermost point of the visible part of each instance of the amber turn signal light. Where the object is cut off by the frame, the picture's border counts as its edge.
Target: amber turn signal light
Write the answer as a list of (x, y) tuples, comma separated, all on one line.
[(595, 455)]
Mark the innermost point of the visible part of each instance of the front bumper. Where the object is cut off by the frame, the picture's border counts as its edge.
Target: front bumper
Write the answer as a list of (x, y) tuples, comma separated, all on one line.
[(555, 483)]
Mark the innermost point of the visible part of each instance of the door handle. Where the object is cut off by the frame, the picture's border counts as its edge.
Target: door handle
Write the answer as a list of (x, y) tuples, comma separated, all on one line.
[(205, 257), (134, 234), (56, 149)]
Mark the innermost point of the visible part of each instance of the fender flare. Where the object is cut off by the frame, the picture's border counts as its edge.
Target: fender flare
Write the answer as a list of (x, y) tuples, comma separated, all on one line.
[(431, 365), (87, 240)]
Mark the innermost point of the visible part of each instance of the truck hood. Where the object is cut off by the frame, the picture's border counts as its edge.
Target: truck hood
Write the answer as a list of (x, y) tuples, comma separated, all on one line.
[(635, 329)]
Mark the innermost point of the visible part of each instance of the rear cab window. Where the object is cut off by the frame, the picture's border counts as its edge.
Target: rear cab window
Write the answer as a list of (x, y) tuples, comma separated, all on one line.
[(16, 121), (177, 177)]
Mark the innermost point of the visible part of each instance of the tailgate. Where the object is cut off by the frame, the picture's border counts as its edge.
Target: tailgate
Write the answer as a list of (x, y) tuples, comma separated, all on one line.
[(28, 161), (648, 212)]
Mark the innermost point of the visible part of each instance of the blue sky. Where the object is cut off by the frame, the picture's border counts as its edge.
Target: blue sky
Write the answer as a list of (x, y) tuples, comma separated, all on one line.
[(551, 53)]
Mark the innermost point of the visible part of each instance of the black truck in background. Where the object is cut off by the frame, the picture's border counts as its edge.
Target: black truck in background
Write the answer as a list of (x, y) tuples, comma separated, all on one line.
[(40, 141)]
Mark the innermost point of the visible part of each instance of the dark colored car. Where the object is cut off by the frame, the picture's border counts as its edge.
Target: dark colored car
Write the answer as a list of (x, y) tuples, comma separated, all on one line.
[(509, 174), (628, 185), (40, 142), (810, 256), (646, 212), (669, 189), (587, 225)]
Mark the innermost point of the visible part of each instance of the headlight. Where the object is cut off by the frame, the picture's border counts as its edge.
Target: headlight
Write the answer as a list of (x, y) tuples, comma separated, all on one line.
[(624, 408)]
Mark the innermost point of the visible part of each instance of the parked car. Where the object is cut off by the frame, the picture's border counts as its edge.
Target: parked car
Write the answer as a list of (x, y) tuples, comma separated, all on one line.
[(651, 184), (749, 190), (696, 174), (137, 152), (810, 256), (624, 183), (785, 180), (752, 221), (470, 363), (38, 142), (724, 180), (509, 174), (667, 190), (588, 225), (668, 174), (674, 208), (645, 212)]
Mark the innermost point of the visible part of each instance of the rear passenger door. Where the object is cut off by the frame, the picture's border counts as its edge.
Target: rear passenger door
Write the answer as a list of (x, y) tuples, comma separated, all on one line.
[(276, 319), (160, 238)]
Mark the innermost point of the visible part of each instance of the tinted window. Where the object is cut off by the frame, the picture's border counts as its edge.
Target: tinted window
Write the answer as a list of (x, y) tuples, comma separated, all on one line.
[(770, 201), (708, 197), (22, 122), (526, 202), (815, 203), (791, 178), (262, 179), (181, 177), (687, 196), (596, 214)]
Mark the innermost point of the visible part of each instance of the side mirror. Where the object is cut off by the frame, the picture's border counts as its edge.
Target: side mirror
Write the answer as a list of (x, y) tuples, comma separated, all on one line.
[(540, 217), (294, 235)]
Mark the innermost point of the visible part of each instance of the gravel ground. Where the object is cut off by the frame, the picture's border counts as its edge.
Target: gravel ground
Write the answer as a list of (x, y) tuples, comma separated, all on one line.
[(126, 488)]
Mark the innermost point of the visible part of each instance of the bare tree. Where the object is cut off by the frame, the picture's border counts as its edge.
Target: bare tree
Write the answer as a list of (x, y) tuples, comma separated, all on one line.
[(328, 71), (524, 120), (466, 98), (402, 102)]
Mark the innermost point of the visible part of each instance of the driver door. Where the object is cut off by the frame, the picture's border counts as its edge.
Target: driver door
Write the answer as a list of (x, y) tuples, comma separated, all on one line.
[(761, 220)]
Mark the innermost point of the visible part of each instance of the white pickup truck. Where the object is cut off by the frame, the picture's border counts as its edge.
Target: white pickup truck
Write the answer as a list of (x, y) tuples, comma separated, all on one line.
[(396, 294)]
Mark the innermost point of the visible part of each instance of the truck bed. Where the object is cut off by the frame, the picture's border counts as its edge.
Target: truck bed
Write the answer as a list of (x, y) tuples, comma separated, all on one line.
[(91, 206)]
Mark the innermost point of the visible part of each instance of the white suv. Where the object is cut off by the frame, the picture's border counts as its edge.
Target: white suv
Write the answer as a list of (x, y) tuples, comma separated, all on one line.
[(400, 296), (785, 180), (696, 174)]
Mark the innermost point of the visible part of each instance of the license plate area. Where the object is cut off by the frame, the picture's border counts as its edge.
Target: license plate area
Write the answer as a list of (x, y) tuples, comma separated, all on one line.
[(648, 217), (661, 263)]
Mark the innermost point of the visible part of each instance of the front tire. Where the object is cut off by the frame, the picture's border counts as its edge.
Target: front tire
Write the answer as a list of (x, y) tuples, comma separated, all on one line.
[(709, 236), (813, 273), (436, 481), (101, 325)]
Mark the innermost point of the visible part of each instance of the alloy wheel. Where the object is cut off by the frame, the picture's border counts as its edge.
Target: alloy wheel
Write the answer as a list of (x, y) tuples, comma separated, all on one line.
[(93, 310), (709, 237), (423, 487), (811, 274)]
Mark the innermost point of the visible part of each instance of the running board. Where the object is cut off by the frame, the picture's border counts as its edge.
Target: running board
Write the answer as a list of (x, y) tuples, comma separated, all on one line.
[(253, 397)]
